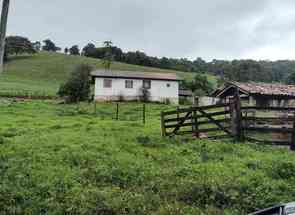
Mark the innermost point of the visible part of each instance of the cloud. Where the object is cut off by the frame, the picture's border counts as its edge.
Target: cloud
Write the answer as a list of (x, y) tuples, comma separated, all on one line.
[(223, 29)]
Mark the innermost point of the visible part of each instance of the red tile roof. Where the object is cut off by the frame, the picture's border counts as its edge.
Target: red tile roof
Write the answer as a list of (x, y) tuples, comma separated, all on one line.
[(266, 89)]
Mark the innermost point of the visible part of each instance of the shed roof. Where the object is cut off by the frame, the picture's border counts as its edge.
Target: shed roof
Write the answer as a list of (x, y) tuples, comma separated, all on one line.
[(135, 75), (259, 89)]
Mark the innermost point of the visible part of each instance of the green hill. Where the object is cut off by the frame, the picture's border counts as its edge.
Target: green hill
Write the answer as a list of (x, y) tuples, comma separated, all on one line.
[(44, 72)]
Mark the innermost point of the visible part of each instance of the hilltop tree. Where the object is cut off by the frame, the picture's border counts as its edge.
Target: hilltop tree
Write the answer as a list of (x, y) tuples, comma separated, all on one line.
[(66, 50), (108, 58), (3, 27), (19, 45), (37, 46), (74, 50), (77, 88), (50, 46), (89, 50)]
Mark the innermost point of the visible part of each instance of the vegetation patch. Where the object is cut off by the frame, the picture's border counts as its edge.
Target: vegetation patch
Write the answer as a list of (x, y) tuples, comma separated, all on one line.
[(81, 164)]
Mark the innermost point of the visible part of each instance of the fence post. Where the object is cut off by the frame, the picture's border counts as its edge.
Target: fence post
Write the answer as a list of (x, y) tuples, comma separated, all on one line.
[(143, 114), (95, 110), (117, 112), (236, 117), (292, 146), (195, 127), (163, 129), (178, 113)]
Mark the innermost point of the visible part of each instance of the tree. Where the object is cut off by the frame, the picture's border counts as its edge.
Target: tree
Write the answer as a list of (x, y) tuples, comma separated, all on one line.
[(3, 27), (50, 46), (89, 50), (291, 79), (66, 50), (77, 88), (19, 45), (74, 50), (108, 58), (200, 85), (37, 46)]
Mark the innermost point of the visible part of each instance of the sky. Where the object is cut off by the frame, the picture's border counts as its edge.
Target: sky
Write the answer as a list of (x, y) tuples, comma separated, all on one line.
[(211, 29)]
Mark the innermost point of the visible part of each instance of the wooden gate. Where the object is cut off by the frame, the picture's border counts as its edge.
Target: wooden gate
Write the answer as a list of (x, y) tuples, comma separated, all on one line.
[(207, 121), (231, 120)]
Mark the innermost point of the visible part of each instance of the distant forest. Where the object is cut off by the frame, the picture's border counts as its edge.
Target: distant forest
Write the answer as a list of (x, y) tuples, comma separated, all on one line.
[(282, 71)]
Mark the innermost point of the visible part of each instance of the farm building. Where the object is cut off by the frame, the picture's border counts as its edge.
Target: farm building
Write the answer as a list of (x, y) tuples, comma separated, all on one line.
[(188, 95), (260, 94), (116, 85)]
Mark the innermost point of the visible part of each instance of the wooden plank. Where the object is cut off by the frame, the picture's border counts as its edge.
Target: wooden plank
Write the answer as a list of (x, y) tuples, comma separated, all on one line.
[(170, 120), (268, 129), (207, 130), (220, 137), (181, 122), (214, 121), (213, 106), (225, 120), (268, 142), (188, 124), (288, 119), (191, 109), (215, 113), (176, 119), (179, 111), (269, 108), (199, 123)]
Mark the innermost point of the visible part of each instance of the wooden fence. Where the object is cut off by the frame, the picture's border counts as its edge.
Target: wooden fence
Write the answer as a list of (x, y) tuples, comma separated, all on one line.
[(232, 120)]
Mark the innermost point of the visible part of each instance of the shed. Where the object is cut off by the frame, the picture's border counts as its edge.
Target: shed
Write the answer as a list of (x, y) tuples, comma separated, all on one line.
[(260, 94)]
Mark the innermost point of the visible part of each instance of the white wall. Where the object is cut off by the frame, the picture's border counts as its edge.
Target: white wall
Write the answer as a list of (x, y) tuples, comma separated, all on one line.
[(159, 90)]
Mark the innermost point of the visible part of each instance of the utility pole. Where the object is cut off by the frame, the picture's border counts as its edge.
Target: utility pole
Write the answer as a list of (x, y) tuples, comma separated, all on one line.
[(3, 26)]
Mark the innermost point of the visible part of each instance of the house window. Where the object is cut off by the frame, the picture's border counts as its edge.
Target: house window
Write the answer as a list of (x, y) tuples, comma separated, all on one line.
[(107, 83), (128, 84), (146, 84), (168, 85)]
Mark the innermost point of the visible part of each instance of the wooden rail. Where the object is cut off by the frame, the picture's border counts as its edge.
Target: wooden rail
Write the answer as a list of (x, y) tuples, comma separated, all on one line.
[(228, 121)]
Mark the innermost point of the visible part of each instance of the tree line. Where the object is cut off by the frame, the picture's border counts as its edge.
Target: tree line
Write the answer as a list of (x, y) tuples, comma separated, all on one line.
[(282, 71)]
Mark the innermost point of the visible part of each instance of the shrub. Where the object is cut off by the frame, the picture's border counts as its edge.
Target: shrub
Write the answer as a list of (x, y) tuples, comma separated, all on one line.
[(144, 94), (77, 88)]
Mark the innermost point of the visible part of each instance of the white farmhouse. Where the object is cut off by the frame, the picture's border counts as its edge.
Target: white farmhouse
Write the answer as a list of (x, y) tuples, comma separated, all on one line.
[(114, 85)]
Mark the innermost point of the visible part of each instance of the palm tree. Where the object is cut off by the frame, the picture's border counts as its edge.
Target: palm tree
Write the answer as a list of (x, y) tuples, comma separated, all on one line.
[(3, 26)]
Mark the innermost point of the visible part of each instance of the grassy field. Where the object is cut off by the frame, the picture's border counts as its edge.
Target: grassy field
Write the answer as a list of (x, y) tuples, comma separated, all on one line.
[(44, 72), (61, 159)]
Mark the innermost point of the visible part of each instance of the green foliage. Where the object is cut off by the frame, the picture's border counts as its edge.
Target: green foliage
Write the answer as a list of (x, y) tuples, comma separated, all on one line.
[(53, 163), (200, 85), (19, 45), (291, 79), (50, 46), (77, 88), (144, 94), (108, 56), (74, 50)]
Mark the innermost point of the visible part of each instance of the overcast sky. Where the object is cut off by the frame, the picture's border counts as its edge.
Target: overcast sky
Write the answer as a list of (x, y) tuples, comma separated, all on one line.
[(220, 29)]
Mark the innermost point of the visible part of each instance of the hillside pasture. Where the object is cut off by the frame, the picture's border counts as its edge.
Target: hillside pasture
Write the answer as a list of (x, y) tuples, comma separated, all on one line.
[(42, 73), (62, 159)]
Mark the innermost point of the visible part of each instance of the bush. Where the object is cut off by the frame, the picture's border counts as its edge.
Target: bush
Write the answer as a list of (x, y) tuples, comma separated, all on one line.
[(144, 94), (77, 88)]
